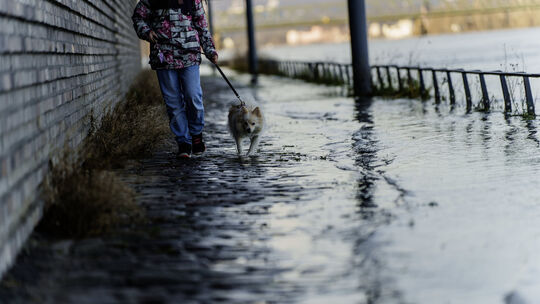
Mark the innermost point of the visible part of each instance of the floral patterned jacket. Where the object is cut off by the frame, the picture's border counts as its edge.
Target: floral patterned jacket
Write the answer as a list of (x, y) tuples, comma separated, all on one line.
[(181, 29)]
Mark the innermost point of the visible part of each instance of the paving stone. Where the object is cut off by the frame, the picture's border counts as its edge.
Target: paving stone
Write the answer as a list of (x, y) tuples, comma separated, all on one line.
[(212, 224)]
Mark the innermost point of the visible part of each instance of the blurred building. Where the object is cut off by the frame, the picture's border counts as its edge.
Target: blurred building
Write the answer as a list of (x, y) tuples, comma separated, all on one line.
[(314, 21)]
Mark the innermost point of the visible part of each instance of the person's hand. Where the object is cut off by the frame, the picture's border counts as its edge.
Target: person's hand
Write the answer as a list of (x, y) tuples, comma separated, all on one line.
[(152, 36), (214, 58)]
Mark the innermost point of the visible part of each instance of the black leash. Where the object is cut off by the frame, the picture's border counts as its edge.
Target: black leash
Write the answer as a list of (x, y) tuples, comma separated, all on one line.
[(230, 85)]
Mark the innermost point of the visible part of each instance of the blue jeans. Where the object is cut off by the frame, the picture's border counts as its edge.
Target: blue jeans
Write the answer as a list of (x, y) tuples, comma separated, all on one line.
[(181, 90)]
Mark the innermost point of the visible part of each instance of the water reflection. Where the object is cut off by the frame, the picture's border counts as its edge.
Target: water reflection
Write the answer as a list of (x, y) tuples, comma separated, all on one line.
[(374, 283), (364, 147), (531, 126), (510, 136), (479, 170)]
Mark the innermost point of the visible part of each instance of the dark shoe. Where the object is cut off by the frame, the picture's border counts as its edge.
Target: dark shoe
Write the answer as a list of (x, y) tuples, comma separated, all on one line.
[(184, 150), (198, 143)]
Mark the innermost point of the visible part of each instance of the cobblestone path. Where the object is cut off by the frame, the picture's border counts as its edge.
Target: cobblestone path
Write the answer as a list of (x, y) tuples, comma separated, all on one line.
[(290, 225)]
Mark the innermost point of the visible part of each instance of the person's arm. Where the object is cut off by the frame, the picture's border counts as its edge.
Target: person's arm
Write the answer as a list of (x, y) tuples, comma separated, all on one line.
[(201, 25), (140, 21)]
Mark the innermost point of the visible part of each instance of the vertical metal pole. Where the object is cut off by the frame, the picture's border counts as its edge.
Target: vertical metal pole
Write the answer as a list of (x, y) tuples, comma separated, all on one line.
[(210, 17), (359, 47), (252, 52), (211, 27)]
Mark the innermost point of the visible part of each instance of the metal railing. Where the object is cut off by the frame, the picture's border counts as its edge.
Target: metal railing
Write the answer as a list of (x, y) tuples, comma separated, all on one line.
[(392, 78), (319, 72), (465, 75)]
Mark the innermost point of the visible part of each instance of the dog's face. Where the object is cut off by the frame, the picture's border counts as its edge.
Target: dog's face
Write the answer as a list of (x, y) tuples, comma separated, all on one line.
[(252, 120)]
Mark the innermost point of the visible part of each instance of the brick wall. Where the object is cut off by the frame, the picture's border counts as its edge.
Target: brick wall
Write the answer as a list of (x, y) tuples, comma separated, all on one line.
[(59, 60)]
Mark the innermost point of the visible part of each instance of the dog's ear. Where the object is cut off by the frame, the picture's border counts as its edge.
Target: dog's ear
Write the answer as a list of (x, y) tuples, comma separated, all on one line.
[(257, 112), (245, 110)]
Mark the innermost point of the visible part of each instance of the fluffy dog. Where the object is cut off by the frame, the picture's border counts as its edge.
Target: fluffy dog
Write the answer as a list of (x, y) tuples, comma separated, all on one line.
[(246, 122)]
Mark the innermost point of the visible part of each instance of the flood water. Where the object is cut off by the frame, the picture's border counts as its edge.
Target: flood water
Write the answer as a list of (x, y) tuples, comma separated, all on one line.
[(425, 204), (455, 196), (468, 231), (491, 50)]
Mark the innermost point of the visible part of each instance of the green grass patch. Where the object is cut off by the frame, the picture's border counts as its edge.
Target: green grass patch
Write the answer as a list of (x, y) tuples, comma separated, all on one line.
[(409, 90), (528, 116)]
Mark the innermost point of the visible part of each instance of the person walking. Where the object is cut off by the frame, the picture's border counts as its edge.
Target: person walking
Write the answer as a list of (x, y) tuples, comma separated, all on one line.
[(177, 30)]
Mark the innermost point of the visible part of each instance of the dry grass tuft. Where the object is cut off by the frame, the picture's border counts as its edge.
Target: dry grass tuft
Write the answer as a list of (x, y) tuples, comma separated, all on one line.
[(131, 130), (81, 198), (82, 203)]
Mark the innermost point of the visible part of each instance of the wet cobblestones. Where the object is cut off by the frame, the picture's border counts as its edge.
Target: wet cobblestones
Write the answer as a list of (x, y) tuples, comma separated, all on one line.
[(379, 201), (221, 229)]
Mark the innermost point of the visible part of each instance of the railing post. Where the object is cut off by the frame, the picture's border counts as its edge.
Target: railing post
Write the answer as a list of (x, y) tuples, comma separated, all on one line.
[(436, 86), (389, 78), (290, 66), (400, 83), (506, 95), (359, 47), (422, 84), (409, 81), (291, 69), (347, 67), (467, 89), (485, 94), (529, 96), (379, 77), (451, 88), (341, 75)]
